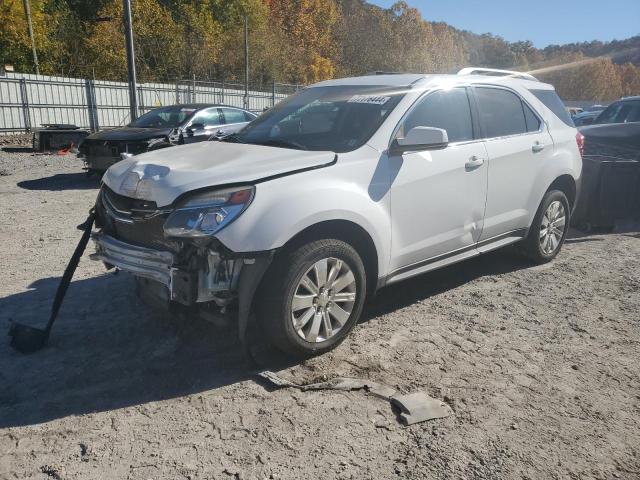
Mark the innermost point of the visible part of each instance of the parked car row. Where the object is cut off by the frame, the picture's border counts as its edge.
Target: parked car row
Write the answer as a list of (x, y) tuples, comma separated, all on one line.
[(160, 128), (344, 187), (625, 110)]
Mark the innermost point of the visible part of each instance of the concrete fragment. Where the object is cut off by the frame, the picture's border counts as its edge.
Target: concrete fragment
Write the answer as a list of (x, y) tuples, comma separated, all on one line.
[(419, 407)]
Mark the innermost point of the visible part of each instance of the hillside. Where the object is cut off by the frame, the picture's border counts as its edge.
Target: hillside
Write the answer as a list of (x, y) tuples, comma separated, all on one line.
[(293, 41)]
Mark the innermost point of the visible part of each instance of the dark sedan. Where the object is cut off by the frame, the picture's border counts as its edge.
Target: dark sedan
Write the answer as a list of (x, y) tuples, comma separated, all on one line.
[(160, 128)]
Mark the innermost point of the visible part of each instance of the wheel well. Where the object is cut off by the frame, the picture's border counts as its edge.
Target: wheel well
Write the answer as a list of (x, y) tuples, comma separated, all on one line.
[(348, 232), (567, 185)]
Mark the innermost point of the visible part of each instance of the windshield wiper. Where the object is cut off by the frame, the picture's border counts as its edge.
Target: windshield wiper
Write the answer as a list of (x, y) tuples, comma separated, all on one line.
[(283, 143)]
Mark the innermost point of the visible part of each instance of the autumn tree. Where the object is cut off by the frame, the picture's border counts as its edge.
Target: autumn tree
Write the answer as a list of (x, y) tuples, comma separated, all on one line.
[(293, 41), (15, 45), (307, 28)]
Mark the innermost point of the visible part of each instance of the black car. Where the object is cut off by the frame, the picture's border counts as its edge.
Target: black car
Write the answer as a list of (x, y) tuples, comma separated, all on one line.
[(160, 128), (610, 175), (625, 110)]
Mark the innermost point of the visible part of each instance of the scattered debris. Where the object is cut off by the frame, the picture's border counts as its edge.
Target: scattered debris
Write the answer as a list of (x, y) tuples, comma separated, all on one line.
[(419, 407), (415, 407), (58, 138), (53, 471)]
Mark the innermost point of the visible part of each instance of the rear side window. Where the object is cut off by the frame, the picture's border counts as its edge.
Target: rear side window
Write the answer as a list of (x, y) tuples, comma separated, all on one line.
[(552, 101), (532, 120), (447, 109), (501, 112), (249, 116), (231, 115)]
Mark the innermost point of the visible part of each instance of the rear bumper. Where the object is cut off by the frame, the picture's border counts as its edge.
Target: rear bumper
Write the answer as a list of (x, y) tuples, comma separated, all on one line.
[(143, 262)]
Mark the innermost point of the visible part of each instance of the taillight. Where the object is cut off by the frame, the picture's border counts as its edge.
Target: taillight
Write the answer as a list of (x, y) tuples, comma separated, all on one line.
[(580, 142)]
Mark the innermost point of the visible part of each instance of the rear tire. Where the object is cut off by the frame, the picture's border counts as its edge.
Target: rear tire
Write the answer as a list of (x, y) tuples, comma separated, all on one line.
[(312, 297), (548, 229)]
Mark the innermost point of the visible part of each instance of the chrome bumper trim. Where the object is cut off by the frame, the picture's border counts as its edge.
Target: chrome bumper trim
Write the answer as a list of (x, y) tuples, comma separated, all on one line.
[(140, 261)]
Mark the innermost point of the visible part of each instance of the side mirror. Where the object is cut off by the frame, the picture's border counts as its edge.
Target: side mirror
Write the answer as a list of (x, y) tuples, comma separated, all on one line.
[(420, 138)]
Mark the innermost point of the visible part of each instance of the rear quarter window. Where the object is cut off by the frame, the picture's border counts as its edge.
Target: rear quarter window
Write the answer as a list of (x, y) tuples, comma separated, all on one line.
[(552, 101)]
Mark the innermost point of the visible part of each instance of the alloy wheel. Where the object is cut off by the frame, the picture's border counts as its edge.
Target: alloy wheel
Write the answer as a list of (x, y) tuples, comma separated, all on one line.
[(323, 300), (552, 227)]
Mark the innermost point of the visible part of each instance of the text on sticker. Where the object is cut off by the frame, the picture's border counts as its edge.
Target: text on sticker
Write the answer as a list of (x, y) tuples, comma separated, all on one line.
[(372, 99)]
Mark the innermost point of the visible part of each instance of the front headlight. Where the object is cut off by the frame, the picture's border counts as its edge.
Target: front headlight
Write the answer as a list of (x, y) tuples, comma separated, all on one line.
[(206, 213)]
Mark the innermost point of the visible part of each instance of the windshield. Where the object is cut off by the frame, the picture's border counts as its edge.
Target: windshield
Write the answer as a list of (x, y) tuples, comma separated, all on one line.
[(164, 117), (339, 118)]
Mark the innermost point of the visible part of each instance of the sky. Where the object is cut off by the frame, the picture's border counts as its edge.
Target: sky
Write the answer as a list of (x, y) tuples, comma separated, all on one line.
[(544, 22)]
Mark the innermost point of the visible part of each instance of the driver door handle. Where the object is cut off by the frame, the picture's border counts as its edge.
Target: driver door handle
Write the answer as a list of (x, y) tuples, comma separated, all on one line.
[(537, 147), (473, 162)]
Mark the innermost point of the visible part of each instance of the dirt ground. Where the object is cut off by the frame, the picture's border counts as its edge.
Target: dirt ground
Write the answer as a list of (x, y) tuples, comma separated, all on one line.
[(539, 364)]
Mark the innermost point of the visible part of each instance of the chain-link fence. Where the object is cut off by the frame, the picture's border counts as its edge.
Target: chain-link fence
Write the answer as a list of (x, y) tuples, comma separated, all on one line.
[(29, 101)]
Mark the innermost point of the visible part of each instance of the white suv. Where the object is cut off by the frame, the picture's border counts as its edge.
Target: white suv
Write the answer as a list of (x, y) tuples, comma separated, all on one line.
[(345, 187)]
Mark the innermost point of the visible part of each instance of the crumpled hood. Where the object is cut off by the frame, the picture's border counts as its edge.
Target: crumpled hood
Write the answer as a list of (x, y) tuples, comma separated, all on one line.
[(163, 175), (130, 133)]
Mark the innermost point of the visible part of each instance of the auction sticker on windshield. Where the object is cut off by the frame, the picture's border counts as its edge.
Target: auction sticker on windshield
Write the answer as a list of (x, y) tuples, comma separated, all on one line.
[(371, 99)]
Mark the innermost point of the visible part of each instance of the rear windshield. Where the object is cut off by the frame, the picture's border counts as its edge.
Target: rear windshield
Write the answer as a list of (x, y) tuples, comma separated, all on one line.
[(552, 102), (621, 112)]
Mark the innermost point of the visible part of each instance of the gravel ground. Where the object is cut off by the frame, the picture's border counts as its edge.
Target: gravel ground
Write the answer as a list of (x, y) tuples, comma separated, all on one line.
[(539, 365)]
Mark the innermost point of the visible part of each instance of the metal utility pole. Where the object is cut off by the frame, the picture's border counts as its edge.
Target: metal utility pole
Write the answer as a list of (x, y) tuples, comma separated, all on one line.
[(131, 59), (27, 12), (246, 62)]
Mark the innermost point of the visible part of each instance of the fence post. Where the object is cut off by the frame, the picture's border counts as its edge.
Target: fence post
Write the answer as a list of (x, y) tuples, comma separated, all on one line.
[(25, 105), (193, 91), (92, 109), (177, 94), (222, 91), (140, 100), (273, 93)]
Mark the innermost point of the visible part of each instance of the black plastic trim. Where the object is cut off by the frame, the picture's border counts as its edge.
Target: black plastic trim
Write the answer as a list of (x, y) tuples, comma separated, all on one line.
[(521, 232)]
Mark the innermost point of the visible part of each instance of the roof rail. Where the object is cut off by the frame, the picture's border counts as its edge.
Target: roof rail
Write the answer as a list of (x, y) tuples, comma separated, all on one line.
[(382, 72), (496, 73)]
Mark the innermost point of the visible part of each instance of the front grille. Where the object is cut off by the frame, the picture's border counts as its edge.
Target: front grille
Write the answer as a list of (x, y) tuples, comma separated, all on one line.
[(129, 207), (134, 221), (111, 148)]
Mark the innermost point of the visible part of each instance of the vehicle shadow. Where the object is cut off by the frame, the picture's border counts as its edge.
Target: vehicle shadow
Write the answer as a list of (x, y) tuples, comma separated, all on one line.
[(62, 181), (109, 351), (403, 294)]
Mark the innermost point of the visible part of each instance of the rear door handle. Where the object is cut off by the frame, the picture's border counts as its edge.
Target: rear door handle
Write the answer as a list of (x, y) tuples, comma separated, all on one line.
[(473, 162), (537, 147)]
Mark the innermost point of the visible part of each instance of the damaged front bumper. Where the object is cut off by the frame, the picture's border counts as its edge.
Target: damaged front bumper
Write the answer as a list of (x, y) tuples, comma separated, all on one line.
[(213, 283), (144, 262), (207, 278)]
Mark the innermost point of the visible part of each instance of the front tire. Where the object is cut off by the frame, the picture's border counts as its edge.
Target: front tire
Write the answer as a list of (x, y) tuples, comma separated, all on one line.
[(549, 228), (312, 297)]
